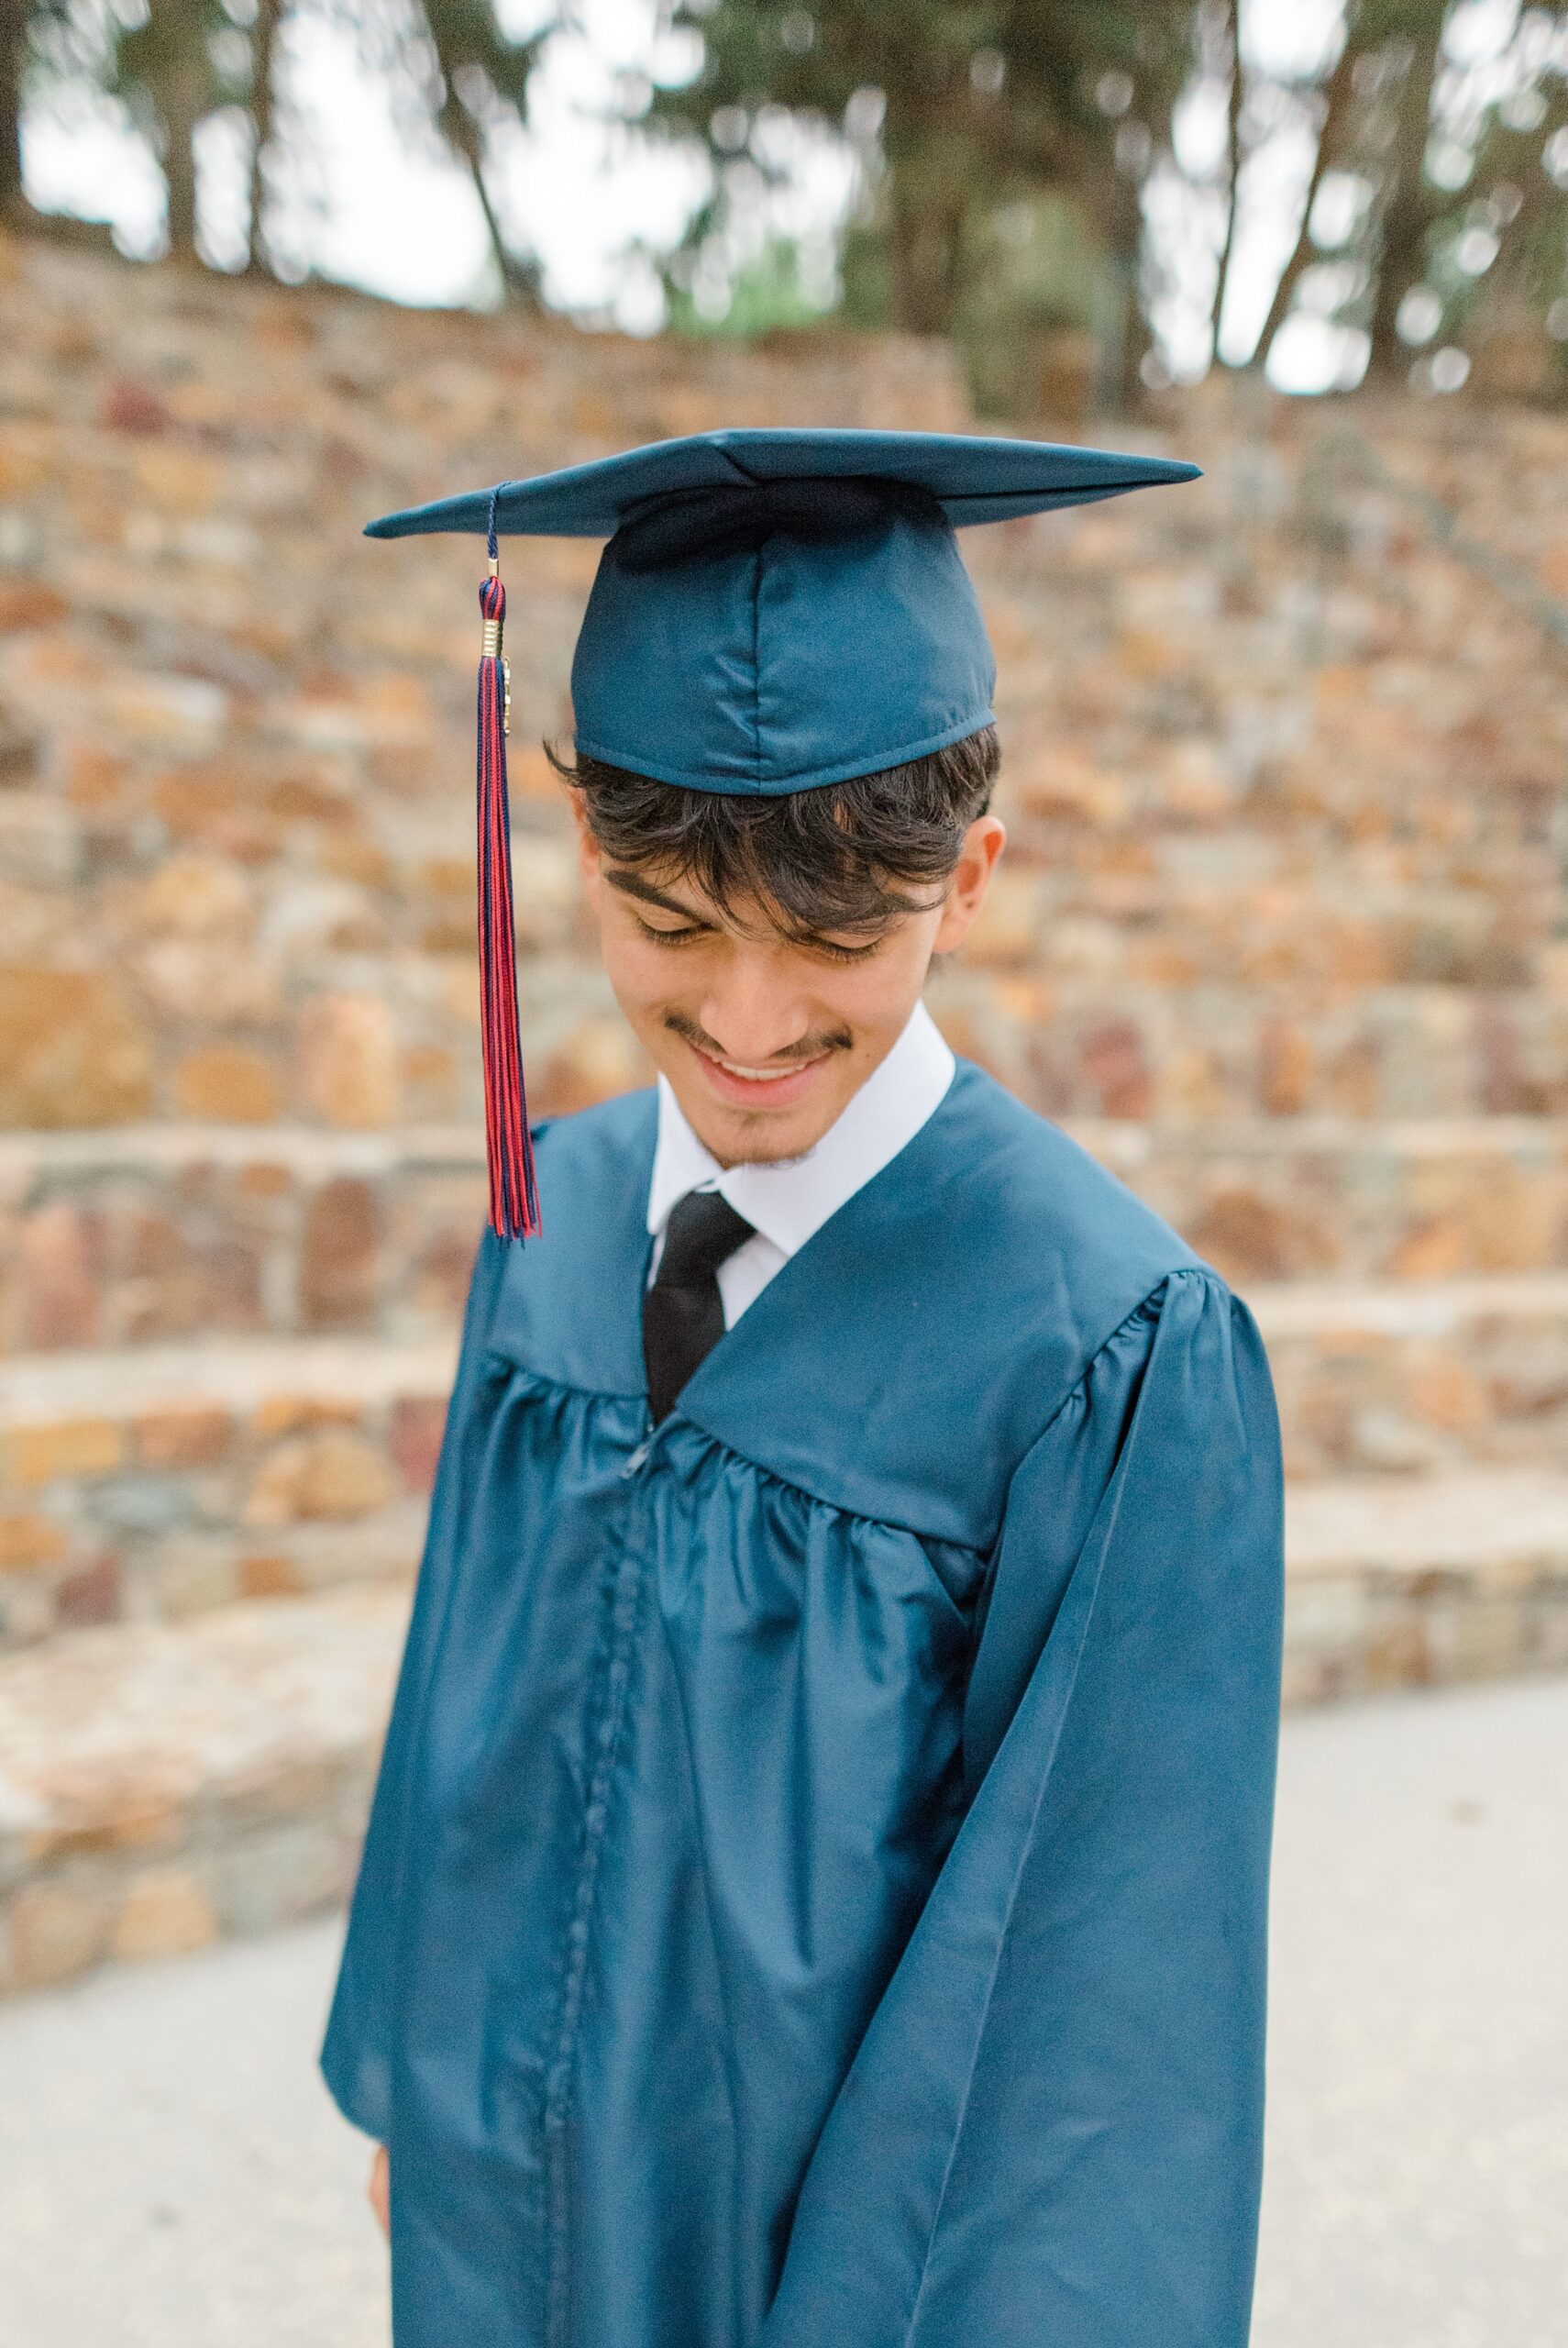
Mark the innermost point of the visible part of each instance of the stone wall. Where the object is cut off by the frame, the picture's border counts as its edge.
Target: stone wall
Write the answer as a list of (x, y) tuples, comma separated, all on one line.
[(1281, 935)]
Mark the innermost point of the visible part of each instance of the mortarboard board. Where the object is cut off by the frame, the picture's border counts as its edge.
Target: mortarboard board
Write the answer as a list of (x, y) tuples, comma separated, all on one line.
[(776, 610)]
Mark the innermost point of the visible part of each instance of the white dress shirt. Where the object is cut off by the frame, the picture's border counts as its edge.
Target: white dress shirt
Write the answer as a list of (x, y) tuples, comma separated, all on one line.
[(785, 1203)]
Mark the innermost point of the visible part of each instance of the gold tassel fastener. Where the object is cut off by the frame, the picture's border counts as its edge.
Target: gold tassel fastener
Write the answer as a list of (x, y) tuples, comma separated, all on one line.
[(489, 649)]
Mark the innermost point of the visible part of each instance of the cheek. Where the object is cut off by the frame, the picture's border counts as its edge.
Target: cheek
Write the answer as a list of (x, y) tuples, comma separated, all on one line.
[(886, 987), (646, 979)]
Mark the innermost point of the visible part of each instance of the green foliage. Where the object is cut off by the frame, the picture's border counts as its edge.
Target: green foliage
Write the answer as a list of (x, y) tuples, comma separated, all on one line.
[(963, 113), (767, 296)]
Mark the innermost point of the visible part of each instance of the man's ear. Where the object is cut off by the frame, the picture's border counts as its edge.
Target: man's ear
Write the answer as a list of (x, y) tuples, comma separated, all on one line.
[(983, 845)]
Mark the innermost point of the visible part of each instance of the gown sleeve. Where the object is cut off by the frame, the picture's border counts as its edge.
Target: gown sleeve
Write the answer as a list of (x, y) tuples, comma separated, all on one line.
[(1051, 2135), (361, 2029)]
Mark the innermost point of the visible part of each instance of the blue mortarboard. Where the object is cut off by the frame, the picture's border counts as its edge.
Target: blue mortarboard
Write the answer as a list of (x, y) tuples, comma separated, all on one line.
[(776, 610)]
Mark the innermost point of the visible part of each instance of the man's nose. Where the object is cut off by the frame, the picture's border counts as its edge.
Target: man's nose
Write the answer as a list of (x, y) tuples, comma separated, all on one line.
[(752, 1014)]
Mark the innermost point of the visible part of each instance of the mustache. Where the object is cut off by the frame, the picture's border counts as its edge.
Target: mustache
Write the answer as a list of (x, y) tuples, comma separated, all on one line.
[(810, 1047)]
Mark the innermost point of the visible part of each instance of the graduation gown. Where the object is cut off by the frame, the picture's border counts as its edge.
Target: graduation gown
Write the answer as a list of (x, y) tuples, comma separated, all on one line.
[(814, 1894)]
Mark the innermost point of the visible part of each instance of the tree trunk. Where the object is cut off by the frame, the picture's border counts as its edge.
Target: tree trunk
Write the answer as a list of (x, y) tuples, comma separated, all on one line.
[(1234, 140), (467, 137), (1336, 103), (264, 41), (1406, 213), (13, 52), (924, 241), (181, 101)]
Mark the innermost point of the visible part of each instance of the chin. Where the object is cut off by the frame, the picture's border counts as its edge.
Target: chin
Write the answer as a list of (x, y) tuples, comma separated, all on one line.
[(754, 1138)]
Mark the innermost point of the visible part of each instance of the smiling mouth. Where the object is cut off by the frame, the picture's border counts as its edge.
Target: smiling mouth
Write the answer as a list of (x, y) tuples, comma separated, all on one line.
[(764, 1074), (740, 1083)]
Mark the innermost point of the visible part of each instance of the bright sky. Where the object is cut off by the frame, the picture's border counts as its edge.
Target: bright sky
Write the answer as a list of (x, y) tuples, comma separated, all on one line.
[(369, 205)]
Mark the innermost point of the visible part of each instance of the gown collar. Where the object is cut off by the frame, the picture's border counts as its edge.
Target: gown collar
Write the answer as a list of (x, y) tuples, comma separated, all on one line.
[(788, 1203)]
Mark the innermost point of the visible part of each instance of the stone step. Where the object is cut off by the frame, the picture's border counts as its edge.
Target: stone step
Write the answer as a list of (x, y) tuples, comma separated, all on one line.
[(1418, 1378), (156, 1482), (1420, 1581), (161, 1784), (162, 1481), (1082, 1025), (133, 1234)]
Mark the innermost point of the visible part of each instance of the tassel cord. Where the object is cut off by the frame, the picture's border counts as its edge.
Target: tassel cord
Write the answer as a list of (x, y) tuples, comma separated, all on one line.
[(514, 1197)]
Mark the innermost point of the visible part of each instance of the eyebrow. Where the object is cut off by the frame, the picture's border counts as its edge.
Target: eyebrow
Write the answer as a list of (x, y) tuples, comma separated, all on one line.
[(631, 884)]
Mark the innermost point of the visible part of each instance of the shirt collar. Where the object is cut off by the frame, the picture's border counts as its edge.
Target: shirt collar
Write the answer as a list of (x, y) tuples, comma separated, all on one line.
[(787, 1203)]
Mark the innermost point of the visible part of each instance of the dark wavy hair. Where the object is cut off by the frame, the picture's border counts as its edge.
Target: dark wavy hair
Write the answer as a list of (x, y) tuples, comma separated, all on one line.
[(844, 856)]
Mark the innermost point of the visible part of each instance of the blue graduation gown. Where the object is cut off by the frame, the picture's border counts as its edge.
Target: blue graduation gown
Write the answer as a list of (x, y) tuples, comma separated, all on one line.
[(814, 1896)]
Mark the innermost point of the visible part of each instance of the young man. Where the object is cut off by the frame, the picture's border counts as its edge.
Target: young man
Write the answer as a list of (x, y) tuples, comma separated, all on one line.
[(815, 1891)]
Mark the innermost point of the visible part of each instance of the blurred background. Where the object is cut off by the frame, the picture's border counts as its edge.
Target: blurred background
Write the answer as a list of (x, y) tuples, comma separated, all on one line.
[(1282, 935)]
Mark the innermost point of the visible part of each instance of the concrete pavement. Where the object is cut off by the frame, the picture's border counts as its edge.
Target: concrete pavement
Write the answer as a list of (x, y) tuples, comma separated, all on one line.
[(173, 2177)]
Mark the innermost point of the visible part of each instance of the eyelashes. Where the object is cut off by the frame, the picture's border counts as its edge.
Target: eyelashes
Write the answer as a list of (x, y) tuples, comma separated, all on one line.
[(821, 946), (670, 937)]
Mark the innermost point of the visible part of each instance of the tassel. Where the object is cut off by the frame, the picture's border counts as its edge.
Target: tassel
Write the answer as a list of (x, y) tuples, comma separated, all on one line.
[(514, 1201)]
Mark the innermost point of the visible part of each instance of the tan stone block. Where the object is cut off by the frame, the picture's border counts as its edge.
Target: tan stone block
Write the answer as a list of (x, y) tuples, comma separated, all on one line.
[(1246, 1237), (164, 1913), (228, 1084), (57, 1930), (269, 1575), (178, 478), (72, 1051), (30, 602), (194, 1577), (1026, 1000), (60, 1277), (95, 778), (182, 1435), (98, 1808), (417, 1424), (1192, 785), (1149, 653), (1398, 1655), (347, 1049), (529, 774), (599, 1058), (1006, 929), (165, 712), (1284, 1068), (332, 1475), (428, 1076), (28, 1541), (1446, 1393), (1434, 1250), (42, 1455), (1065, 784), (194, 896), (1114, 1065), (340, 1255), (209, 980), (287, 1413)]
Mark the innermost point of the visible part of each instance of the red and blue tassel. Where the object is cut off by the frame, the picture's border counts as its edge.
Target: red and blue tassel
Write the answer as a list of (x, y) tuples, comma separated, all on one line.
[(514, 1199)]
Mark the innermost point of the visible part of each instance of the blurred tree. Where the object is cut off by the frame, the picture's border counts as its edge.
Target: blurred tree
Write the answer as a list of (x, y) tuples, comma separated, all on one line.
[(36, 38), (183, 60), (1453, 172), (964, 117), (263, 95), (14, 45), (452, 70), (456, 78)]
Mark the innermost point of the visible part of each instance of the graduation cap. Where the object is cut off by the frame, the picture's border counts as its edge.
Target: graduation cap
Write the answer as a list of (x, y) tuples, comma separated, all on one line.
[(776, 610)]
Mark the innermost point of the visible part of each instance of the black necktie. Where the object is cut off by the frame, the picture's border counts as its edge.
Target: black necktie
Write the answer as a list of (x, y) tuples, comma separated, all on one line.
[(683, 1316)]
